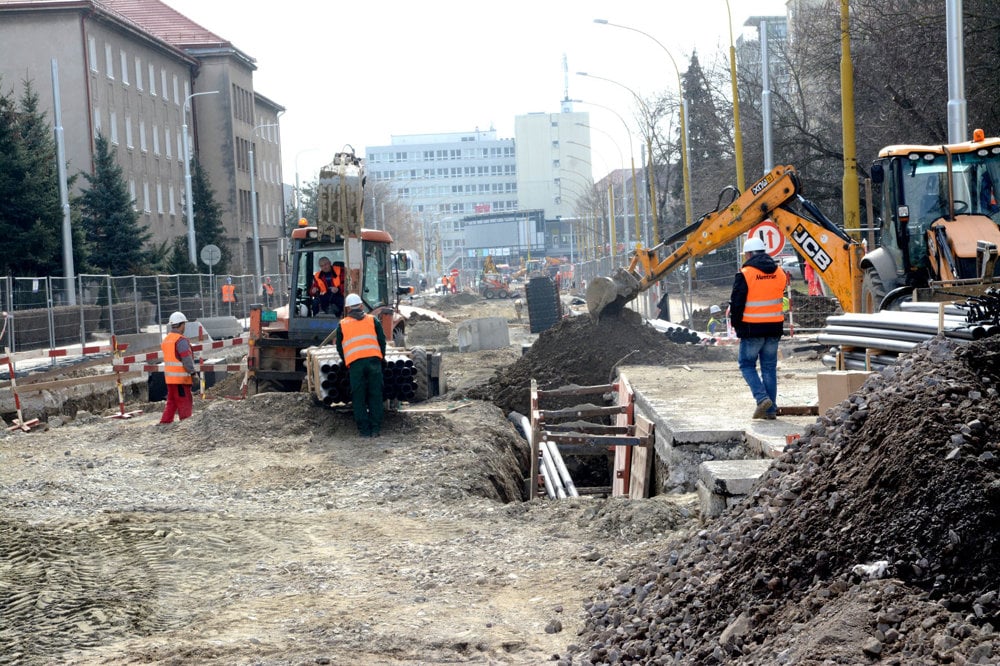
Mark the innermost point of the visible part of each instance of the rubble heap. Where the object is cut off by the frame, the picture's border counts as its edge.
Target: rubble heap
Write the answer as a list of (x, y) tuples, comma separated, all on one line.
[(878, 528), (579, 351)]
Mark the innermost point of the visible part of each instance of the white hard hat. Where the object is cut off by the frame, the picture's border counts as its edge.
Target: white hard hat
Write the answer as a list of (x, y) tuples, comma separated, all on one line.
[(754, 244), (352, 300), (715, 309), (177, 318)]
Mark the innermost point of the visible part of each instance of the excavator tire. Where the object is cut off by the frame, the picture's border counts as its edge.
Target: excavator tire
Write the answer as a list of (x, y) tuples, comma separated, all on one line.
[(489, 294), (872, 290), (502, 293)]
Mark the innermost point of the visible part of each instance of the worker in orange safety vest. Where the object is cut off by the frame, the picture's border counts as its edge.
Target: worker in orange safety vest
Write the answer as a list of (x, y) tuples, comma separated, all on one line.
[(327, 288), (361, 343), (756, 311), (179, 372)]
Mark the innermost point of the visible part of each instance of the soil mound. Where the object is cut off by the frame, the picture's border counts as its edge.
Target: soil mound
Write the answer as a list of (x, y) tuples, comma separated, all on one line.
[(902, 481), (578, 351)]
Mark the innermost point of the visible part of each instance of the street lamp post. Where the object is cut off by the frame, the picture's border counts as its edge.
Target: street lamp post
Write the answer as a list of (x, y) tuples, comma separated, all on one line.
[(685, 166), (253, 208), (631, 152), (192, 248), (737, 132)]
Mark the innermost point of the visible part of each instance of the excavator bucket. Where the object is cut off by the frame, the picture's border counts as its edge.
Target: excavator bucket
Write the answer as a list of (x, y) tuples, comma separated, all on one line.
[(608, 295)]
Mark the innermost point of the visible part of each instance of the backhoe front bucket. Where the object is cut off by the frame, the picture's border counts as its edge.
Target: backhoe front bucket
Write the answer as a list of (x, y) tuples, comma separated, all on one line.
[(608, 295)]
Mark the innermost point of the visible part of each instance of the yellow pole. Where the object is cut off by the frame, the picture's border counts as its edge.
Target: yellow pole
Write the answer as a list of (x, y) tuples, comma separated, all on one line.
[(635, 205), (738, 133), (651, 178), (852, 205)]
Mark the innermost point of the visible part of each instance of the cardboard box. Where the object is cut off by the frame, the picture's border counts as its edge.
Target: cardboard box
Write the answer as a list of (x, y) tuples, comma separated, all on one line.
[(834, 386)]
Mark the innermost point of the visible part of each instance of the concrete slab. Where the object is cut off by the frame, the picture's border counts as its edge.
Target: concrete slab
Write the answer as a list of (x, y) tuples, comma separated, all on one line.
[(732, 477)]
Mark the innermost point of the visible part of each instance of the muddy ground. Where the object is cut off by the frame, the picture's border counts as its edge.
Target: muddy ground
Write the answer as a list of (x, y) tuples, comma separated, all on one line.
[(264, 531)]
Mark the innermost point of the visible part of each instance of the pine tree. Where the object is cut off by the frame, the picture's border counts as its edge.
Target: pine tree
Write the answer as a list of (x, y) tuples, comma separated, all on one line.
[(177, 259), (208, 227), (115, 240), (31, 214)]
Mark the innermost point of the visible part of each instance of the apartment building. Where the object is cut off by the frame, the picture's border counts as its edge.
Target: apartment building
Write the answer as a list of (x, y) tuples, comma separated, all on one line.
[(134, 71)]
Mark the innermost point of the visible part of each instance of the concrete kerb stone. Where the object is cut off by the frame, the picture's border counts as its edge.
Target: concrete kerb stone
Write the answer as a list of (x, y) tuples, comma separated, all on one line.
[(723, 484)]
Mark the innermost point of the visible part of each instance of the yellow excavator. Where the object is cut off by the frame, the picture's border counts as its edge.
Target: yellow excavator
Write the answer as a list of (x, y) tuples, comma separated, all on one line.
[(938, 232)]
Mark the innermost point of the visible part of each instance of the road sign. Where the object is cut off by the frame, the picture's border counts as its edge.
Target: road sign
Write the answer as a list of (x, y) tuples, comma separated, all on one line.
[(768, 231), (211, 254)]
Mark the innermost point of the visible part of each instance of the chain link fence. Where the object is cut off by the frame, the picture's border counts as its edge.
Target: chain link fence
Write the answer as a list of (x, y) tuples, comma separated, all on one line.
[(41, 313)]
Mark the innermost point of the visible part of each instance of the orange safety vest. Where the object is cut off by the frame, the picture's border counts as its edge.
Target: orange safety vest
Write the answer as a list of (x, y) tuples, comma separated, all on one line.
[(229, 293), (764, 295), (360, 339), (337, 281), (268, 289), (173, 370)]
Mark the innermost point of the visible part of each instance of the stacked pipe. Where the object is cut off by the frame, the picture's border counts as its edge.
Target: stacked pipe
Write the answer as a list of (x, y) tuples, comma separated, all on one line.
[(891, 333), (399, 378)]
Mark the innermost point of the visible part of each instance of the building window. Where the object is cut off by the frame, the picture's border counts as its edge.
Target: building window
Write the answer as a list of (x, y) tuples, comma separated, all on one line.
[(97, 122), (170, 197), (180, 148), (128, 137), (145, 196), (163, 84), (138, 73), (177, 97), (131, 192), (156, 142), (124, 66), (142, 135), (109, 61), (166, 141), (92, 53), (152, 80), (555, 164), (159, 198), (555, 144), (113, 121)]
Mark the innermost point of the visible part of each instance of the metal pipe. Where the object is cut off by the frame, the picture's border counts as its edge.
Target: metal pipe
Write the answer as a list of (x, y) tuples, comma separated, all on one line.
[(870, 343), (903, 336), (550, 474), (919, 322), (567, 480)]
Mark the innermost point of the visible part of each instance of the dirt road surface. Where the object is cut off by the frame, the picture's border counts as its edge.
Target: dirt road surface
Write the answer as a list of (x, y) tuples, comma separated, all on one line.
[(265, 531)]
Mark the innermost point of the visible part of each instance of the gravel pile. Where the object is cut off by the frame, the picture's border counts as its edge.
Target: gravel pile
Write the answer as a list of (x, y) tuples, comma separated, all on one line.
[(875, 537)]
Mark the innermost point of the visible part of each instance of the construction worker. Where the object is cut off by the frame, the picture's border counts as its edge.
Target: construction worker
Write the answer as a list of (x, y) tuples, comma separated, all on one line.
[(716, 323), (453, 283), (444, 284), (755, 307), (179, 372), (361, 343), (267, 291), (229, 293), (327, 288)]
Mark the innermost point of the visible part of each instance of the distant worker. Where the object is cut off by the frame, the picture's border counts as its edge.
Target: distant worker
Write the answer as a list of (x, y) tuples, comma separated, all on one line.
[(179, 372), (229, 294), (815, 286), (663, 307), (755, 307), (453, 284), (267, 291), (327, 288), (716, 322), (444, 284), (518, 308), (361, 343)]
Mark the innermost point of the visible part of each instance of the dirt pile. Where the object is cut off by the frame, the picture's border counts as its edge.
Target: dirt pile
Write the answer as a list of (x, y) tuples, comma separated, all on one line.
[(876, 536), (579, 351)]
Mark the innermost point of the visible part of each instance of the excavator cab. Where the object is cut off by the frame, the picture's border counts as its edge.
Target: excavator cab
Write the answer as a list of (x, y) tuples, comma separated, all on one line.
[(939, 219)]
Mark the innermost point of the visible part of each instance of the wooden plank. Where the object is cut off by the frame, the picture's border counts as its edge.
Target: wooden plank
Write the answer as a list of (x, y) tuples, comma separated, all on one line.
[(593, 440), (642, 459), (595, 490), (536, 433), (798, 410), (575, 389), (588, 427), (579, 411), (623, 454)]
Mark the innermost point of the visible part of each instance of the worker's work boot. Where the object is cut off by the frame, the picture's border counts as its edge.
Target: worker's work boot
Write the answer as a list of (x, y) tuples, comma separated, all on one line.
[(762, 407)]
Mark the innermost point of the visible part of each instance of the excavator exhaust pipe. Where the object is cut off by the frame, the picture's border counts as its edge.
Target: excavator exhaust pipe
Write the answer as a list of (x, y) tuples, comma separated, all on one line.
[(608, 295)]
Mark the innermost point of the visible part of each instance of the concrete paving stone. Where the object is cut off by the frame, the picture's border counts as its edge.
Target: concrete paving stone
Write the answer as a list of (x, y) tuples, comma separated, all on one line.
[(732, 477)]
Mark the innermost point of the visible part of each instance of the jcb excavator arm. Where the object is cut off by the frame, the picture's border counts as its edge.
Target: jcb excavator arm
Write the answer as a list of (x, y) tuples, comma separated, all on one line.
[(827, 248)]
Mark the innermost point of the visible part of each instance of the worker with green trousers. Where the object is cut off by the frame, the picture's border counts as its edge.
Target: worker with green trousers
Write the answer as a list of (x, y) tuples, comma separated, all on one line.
[(361, 343)]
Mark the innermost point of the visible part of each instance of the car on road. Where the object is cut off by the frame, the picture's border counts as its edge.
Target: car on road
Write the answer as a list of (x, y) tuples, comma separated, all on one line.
[(790, 263)]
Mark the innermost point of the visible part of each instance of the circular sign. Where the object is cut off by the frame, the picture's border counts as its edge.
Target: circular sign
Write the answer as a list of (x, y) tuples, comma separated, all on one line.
[(211, 254), (768, 231)]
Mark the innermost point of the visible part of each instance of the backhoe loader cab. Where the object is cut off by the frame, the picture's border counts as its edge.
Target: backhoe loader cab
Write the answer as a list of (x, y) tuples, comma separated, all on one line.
[(939, 212)]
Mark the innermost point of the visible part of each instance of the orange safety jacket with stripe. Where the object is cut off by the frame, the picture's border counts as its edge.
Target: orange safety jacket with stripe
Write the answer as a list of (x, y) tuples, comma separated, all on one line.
[(359, 339), (337, 281), (229, 293), (174, 371), (764, 295)]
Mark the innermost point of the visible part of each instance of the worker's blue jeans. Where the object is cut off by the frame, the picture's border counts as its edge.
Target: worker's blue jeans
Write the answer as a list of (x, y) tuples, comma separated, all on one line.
[(765, 384)]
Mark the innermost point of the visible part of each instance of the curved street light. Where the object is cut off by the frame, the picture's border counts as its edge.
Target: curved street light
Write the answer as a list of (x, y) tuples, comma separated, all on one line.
[(685, 166), (192, 248)]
